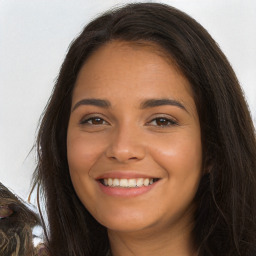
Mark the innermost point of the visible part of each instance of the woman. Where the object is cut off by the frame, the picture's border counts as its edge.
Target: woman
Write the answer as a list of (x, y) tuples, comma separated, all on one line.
[(147, 146)]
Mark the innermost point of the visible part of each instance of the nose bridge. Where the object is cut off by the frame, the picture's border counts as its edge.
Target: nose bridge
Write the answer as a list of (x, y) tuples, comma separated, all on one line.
[(126, 143)]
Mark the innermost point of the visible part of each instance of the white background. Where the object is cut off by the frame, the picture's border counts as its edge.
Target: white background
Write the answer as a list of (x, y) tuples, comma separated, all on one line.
[(34, 37)]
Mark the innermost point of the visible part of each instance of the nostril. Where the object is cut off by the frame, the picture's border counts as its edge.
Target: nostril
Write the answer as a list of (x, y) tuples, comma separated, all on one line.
[(123, 158), (125, 151)]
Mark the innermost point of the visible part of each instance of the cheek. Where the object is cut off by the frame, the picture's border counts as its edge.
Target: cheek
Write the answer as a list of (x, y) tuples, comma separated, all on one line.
[(82, 152), (179, 155), (181, 159)]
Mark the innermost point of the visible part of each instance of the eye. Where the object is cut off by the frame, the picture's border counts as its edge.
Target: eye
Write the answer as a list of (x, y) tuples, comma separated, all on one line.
[(162, 122), (94, 121)]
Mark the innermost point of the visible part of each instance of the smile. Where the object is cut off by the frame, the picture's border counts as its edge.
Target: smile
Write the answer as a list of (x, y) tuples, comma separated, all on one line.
[(128, 183)]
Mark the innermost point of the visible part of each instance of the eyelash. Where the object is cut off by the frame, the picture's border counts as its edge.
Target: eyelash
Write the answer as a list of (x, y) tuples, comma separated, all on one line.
[(170, 122), (86, 121)]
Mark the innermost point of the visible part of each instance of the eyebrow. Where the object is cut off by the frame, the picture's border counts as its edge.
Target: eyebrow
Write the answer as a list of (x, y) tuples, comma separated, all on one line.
[(161, 102), (150, 103), (94, 102)]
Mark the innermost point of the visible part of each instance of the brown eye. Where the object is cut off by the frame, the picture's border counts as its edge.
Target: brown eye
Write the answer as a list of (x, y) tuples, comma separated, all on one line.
[(94, 121), (163, 122)]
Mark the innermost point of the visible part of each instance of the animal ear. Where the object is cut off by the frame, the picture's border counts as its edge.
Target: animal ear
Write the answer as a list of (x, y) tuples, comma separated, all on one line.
[(5, 211)]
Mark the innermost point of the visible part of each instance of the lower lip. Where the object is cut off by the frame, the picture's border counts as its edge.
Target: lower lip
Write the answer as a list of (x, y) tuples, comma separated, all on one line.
[(126, 192)]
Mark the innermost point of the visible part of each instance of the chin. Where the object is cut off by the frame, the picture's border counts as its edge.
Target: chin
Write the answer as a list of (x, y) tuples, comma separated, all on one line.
[(126, 227), (126, 222)]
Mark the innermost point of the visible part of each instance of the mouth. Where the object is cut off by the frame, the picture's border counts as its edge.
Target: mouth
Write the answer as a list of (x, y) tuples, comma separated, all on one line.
[(128, 183)]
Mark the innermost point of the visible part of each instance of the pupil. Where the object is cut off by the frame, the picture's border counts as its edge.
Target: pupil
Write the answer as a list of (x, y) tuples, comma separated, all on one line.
[(96, 121), (162, 121)]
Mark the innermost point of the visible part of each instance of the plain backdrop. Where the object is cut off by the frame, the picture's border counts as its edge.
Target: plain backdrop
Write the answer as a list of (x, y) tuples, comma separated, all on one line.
[(34, 38)]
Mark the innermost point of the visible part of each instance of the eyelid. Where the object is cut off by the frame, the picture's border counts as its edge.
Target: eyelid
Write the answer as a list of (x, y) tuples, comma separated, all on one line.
[(173, 121), (90, 116)]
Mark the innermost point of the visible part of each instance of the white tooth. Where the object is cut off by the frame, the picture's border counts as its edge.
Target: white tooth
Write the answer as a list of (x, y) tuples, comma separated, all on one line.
[(151, 181), (146, 182), (115, 182), (105, 181), (110, 182), (132, 183), (123, 183), (140, 182)]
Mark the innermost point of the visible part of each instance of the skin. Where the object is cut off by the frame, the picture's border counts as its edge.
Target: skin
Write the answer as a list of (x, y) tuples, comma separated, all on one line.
[(128, 138)]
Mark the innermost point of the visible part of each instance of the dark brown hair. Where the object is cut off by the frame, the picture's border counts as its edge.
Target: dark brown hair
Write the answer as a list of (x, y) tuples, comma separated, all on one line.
[(225, 218)]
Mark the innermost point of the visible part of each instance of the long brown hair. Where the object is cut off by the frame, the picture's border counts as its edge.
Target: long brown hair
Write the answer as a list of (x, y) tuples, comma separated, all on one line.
[(225, 219)]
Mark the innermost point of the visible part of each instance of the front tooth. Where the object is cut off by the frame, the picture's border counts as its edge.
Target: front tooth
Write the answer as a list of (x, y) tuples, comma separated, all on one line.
[(132, 183), (146, 182), (110, 182), (123, 183), (140, 182), (115, 182)]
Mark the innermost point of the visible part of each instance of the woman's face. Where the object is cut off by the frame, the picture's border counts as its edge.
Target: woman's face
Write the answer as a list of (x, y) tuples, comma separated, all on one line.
[(133, 122)]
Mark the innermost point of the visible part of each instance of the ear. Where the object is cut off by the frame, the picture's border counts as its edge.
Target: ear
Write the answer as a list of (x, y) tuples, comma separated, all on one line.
[(207, 165)]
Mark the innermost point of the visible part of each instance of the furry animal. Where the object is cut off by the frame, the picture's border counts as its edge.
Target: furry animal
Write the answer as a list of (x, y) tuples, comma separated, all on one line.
[(16, 224)]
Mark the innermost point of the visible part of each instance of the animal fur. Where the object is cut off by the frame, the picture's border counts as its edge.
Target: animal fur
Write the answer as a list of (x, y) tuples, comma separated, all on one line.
[(16, 224)]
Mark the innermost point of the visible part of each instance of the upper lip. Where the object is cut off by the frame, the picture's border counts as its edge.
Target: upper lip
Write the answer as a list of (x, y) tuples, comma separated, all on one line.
[(124, 175)]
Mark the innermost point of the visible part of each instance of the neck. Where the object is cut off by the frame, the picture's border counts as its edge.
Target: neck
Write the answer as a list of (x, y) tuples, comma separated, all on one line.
[(176, 242)]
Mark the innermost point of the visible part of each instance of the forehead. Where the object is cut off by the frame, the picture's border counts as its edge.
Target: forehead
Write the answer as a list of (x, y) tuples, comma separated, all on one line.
[(132, 70)]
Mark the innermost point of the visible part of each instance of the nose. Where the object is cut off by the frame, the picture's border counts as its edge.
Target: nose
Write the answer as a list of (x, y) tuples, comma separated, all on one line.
[(126, 145)]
